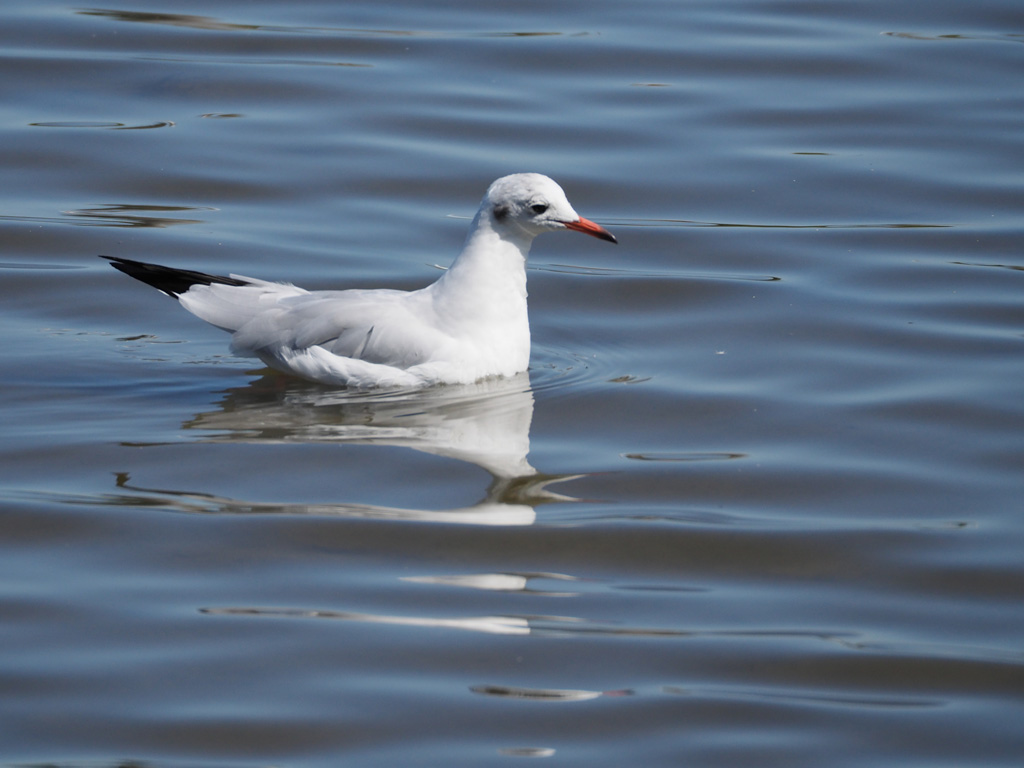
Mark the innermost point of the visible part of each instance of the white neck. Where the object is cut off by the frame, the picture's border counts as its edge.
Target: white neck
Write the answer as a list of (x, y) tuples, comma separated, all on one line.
[(487, 281)]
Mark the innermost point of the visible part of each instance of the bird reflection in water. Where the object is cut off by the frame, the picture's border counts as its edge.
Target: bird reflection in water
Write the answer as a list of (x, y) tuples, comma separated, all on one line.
[(486, 424)]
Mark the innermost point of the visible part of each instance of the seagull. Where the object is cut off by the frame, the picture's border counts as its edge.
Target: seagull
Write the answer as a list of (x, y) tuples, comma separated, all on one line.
[(471, 324)]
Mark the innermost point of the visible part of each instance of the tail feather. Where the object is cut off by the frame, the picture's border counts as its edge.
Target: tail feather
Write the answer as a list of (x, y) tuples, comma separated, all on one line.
[(169, 280)]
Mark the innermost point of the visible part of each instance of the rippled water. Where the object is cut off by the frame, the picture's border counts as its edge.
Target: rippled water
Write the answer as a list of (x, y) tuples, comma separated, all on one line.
[(758, 501)]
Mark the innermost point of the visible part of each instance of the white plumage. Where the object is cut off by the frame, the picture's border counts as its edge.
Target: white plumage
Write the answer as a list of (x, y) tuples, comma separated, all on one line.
[(468, 325)]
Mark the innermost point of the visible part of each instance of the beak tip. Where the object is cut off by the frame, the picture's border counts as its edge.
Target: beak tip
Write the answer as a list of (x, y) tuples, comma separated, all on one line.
[(587, 227)]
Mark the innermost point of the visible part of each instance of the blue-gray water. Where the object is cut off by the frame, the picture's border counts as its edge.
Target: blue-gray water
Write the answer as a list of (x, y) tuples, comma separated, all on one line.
[(758, 502)]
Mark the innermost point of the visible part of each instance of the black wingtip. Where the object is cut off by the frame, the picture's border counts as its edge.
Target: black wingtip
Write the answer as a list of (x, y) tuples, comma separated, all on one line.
[(169, 280)]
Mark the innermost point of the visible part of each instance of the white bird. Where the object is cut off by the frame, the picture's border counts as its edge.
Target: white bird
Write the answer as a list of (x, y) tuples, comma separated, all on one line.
[(468, 325)]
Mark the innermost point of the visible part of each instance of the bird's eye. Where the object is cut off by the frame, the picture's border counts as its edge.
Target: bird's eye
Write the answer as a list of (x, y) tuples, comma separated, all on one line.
[(538, 208)]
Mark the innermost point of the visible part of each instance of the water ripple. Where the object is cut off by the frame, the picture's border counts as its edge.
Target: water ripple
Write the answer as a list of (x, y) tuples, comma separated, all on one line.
[(588, 271), (211, 24), (640, 222), (1007, 38), (102, 124), (685, 456), (121, 215)]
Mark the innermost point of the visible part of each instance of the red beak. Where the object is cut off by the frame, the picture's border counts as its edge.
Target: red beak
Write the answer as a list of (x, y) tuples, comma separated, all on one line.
[(587, 227)]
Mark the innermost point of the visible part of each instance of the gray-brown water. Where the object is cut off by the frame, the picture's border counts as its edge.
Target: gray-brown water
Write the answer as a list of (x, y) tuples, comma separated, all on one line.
[(758, 501)]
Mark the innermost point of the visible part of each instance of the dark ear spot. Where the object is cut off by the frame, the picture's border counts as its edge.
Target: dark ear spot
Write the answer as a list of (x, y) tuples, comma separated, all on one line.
[(500, 212)]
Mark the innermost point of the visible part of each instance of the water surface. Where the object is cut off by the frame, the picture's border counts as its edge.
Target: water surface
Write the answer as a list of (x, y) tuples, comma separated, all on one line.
[(757, 501)]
